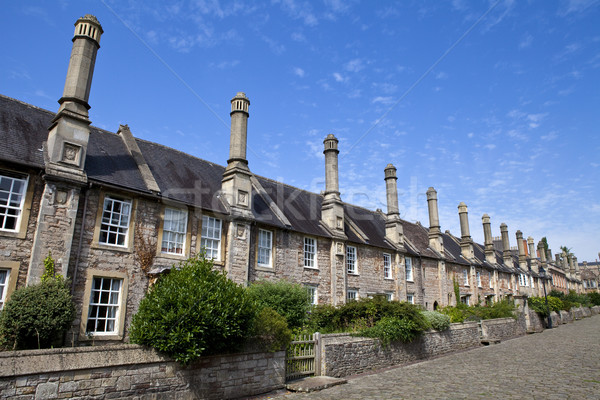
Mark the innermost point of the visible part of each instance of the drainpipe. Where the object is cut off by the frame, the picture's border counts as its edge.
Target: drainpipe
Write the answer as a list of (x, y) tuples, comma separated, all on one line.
[(85, 202)]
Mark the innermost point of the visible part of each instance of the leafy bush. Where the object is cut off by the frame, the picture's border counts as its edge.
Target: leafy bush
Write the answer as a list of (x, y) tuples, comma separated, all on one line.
[(594, 298), (461, 312), (557, 293), (436, 320), (290, 300), (321, 317), (270, 330), (578, 299), (393, 329), (538, 304), (193, 310), (37, 316)]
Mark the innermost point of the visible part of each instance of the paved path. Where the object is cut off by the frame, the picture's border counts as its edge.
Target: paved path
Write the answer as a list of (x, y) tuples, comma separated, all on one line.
[(562, 363)]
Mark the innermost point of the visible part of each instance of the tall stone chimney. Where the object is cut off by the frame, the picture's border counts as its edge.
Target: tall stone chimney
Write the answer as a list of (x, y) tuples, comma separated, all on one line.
[(435, 234), (521, 247), (69, 131), (236, 183), (332, 211), (532, 254), (466, 242), (490, 254), (393, 227), (506, 255), (68, 137), (542, 252)]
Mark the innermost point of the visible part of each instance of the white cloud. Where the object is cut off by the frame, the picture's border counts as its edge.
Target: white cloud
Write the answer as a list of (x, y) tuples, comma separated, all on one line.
[(441, 75), (354, 65), (526, 41), (299, 72), (298, 37), (470, 135), (338, 77), (490, 146), (383, 100)]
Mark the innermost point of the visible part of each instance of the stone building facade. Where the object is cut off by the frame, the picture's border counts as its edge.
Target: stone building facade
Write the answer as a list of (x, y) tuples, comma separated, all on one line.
[(115, 212)]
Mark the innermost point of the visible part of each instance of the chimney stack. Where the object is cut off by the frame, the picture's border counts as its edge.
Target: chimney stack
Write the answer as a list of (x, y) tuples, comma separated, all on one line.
[(490, 254), (521, 247), (332, 211), (435, 235), (236, 183), (542, 252), (69, 130), (532, 254), (506, 255), (466, 243), (393, 227)]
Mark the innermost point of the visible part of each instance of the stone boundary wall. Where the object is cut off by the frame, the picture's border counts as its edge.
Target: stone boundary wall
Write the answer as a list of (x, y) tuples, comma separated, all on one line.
[(566, 316), (344, 355), (123, 371), (595, 310), (536, 323), (503, 328)]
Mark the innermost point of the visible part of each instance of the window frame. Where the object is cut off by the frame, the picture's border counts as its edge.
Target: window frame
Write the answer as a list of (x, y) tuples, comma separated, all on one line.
[(22, 194), (351, 260), (312, 250), (118, 333), (20, 230), (478, 278), (10, 282), (491, 279), (219, 250), (354, 295), (465, 277), (410, 298), (128, 246), (408, 269), (270, 247), (313, 293), (387, 269), (186, 234)]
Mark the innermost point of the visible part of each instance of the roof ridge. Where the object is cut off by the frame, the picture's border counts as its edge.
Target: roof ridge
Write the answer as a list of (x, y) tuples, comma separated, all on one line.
[(27, 104)]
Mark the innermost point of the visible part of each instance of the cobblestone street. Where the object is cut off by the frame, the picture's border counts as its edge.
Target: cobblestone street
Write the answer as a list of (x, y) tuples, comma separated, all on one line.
[(562, 363)]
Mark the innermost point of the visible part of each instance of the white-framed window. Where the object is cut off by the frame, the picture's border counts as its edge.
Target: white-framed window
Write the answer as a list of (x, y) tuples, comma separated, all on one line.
[(466, 299), (351, 294), (389, 296), (387, 266), (265, 248), (478, 274), (408, 268), (114, 226), (12, 198), (4, 275), (410, 298), (312, 293), (211, 237), (174, 231), (491, 280), (466, 277), (310, 252), (103, 312), (532, 284), (351, 259)]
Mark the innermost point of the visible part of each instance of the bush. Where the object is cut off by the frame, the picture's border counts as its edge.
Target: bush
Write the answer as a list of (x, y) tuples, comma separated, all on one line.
[(321, 318), (461, 312), (436, 320), (37, 316), (538, 304), (194, 310), (594, 298), (270, 330), (393, 329), (290, 300)]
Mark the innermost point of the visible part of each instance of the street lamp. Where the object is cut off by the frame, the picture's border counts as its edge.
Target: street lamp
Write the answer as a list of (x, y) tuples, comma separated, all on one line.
[(544, 277)]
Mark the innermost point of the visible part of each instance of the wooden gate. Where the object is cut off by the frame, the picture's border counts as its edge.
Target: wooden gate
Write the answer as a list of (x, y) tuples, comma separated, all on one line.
[(303, 357)]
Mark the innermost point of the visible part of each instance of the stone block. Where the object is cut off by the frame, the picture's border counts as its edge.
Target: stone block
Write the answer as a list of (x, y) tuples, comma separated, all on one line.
[(47, 390)]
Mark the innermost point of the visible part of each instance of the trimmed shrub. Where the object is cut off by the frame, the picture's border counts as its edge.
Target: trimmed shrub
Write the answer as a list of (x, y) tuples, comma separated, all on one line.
[(290, 300), (37, 316), (436, 320), (194, 310), (460, 313), (270, 330), (392, 329), (594, 298), (538, 304)]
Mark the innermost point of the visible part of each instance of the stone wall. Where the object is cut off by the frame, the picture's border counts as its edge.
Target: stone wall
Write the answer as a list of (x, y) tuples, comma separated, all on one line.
[(536, 323), (503, 328), (565, 317), (344, 355), (128, 370), (595, 310)]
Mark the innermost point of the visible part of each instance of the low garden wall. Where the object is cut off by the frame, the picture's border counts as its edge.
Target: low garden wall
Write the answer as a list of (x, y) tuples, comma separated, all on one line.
[(503, 328), (536, 322), (344, 355), (595, 310), (566, 316), (131, 371)]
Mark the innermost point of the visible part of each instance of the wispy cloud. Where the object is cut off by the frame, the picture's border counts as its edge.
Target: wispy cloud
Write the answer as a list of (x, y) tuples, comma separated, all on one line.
[(354, 65), (338, 77), (298, 72), (526, 41)]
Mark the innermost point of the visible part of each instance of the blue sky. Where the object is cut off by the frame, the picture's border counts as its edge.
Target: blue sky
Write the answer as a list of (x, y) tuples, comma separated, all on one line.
[(494, 103)]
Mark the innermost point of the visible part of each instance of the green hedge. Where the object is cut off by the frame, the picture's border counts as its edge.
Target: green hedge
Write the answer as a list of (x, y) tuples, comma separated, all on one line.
[(290, 300), (460, 313)]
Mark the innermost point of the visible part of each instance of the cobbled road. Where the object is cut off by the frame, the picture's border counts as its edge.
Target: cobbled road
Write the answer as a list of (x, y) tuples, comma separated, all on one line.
[(562, 363)]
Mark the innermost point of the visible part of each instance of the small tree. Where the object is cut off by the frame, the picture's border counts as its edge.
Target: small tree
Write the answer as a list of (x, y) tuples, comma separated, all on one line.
[(193, 310), (290, 300), (37, 316)]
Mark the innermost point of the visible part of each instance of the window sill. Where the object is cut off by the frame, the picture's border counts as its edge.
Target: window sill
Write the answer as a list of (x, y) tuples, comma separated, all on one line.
[(14, 234), (353, 273), (410, 281), (96, 337), (388, 279), (173, 256), (101, 246), (315, 268), (264, 268)]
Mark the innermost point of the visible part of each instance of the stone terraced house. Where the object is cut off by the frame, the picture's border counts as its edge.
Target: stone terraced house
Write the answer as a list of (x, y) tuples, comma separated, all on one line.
[(116, 211)]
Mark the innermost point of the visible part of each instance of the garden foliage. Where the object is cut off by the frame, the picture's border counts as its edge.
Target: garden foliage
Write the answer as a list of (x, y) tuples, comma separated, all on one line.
[(290, 300)]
